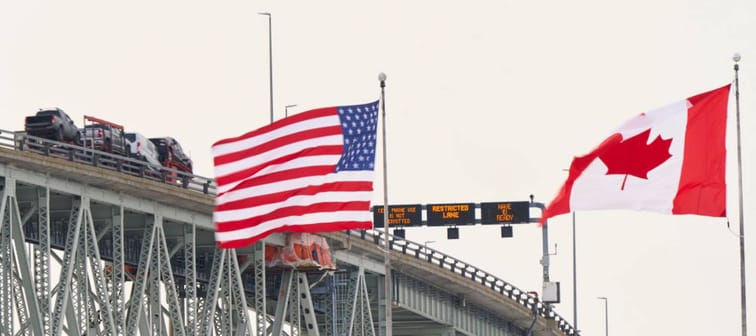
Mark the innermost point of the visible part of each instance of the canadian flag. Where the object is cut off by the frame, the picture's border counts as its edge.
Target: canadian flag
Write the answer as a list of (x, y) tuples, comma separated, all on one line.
[(670, 160)]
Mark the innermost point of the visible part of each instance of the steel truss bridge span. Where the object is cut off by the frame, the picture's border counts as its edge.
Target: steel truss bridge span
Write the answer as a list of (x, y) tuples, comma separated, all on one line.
[(91, 251)]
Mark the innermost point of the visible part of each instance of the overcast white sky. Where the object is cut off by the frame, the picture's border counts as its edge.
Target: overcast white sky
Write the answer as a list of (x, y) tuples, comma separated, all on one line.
[(486, 101)]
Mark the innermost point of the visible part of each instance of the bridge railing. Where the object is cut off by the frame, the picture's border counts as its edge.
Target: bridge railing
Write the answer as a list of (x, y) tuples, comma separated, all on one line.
[(472, 273), (23, 142)]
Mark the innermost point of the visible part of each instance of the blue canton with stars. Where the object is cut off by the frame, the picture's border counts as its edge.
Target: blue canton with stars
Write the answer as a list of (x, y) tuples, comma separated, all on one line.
[(359, 124)]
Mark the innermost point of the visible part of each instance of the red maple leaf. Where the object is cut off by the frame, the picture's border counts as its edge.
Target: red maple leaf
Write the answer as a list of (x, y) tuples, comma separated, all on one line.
[(632, 156)]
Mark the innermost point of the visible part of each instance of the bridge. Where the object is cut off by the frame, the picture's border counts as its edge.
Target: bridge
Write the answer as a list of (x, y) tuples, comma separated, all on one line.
[(95, 244)]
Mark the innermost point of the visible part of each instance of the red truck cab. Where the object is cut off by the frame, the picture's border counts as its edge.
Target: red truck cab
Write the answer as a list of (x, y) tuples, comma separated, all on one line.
[(172, 156)]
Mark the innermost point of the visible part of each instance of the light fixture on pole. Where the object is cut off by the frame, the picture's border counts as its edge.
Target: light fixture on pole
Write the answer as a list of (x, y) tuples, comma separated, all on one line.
[(425, 244), (386, 246), (606, 313), (425, 249), (270, 59), (286, 109)]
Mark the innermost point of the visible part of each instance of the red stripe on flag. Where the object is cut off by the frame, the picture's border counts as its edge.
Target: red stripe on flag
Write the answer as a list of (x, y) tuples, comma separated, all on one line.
[(276, 143), (285, 175), (702, 189), (247, 173), (284, 195), (311, 114), (324, 226), (292, 211)]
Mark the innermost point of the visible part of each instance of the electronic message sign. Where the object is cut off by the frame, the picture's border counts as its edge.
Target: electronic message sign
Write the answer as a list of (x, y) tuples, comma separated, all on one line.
[(504, 212), (450, 214), (399, 215)]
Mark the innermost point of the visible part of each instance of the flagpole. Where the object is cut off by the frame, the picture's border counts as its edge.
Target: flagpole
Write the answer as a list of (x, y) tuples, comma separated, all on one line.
[(270, 59), (386, 248), (743, 318)]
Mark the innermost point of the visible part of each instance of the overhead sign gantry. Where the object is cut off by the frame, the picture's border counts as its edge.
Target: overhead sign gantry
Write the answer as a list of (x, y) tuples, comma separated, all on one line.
[(452, 215)]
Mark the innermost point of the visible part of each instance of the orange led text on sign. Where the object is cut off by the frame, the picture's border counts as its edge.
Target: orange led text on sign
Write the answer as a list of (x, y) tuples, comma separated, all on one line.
[(450, 211), (398, 215), (504, 214)]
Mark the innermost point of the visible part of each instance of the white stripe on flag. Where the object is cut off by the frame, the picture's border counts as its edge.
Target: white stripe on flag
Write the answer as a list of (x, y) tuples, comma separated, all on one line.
[(236, 146), (300, 162), (293, 184), (307, 219), (301, 200), (262, 158)]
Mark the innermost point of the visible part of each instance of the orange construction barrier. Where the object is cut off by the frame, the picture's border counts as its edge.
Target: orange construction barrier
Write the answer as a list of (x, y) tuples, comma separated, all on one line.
[(302, 251)]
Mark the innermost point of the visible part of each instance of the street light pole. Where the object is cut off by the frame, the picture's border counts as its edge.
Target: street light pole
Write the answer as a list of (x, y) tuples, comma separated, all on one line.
[(574, 278), (574, 275), (286, 109), (270, 59), (606, 313)]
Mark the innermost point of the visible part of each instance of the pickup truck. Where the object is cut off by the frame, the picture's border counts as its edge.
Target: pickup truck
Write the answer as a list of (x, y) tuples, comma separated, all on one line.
[(143, 149), (53, 124), (104, 136), (171, 155)]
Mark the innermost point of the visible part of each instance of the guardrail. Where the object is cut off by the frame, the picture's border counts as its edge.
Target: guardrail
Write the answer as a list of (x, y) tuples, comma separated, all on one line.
[(472, 273), (22, 142)]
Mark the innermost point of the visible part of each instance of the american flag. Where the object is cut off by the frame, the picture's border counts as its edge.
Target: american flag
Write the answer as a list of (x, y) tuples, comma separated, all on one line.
[(310, 172)]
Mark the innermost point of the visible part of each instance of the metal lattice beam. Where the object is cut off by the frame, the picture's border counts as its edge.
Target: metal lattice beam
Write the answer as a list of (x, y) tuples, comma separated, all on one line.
[(42, 258), (360, 315), (190, 279), (366, 319), (311, 323), (166, 273), (225, 323), (243, 325), (67, 267), (260, 310), (282, 302), (155, 311), (137, 292), (105, 313), (18, 297), (117, 279), (211, 299), (294, 308), (22, 291), (6, 270), (354, 281)]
